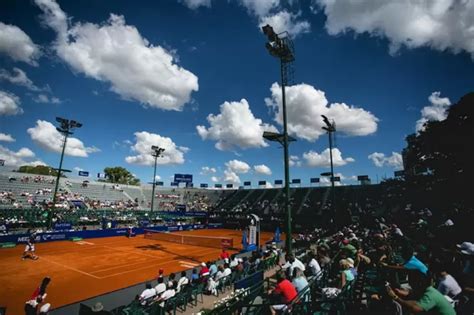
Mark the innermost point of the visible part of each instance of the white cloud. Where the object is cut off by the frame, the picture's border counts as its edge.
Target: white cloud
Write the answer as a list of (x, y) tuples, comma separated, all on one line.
[(305, 105), (18, 45), (437, 111), (206, 170), (262, 169), (157, 177), (235, 126), (231, 177), (260, 8), (286, 21), (438, 24), (267, 185), (47, 137), (237, 166), (214, 179), (294, 161), (195, 4), (143, 142), (18, 77), (78, 169), (380, 160), (9, 104), (19, 158), (43, 98), (117, 53), (315, 159), (6, 137)]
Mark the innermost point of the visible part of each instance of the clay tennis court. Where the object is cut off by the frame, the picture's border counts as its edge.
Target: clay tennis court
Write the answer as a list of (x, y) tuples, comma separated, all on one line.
[(80, 270)]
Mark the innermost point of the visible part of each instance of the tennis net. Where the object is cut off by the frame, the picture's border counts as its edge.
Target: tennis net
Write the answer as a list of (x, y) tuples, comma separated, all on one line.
[(206, 241)]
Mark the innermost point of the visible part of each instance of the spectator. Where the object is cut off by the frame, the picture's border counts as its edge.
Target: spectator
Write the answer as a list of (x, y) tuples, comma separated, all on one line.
[(204, 270), (313, 265), (447, 284), (224, 254), (169, 293), (429, 299), (148, 293), (299, 280), (182, 282), (194, 276), (284, 291), (346, 273), (227, 270), (291, 264), (410, 262), (160, 287), (212, 268)]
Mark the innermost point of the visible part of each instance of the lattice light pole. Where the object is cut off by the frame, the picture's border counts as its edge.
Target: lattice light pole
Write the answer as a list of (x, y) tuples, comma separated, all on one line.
[(65, 128), (157, 152), (331, 129), (281, 47)]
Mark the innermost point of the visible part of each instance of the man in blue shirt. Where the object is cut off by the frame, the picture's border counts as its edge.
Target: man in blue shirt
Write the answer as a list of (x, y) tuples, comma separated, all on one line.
[(410, 262)]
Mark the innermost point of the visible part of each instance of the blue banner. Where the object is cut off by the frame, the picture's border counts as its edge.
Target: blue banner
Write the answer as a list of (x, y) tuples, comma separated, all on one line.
[(314, 180), (278, 182), (62, 226), (203, 185), (247, 183), (296, 181), (218, 185), (83, 173), (262, 182), (183, 178), (229, 185)]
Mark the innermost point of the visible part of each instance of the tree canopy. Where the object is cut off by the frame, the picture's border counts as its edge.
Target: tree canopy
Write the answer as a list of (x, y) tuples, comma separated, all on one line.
[(444, 150), (120, 175), (38, 169)]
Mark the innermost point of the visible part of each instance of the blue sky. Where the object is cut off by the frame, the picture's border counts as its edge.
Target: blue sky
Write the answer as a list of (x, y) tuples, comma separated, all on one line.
[(153, 72)]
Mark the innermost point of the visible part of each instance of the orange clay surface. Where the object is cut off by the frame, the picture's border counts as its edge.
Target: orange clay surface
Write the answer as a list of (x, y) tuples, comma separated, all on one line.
[(84, 269)]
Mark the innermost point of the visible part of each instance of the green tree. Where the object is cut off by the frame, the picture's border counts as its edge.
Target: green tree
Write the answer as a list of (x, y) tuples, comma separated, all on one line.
[(38, 169), (120, 175), (443, 152)]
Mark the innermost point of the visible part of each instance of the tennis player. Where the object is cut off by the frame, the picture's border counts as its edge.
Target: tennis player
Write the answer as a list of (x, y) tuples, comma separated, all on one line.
[(30, 248)]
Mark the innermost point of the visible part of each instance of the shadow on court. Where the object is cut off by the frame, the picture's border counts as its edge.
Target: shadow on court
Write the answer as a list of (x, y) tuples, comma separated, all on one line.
[(159, 247)]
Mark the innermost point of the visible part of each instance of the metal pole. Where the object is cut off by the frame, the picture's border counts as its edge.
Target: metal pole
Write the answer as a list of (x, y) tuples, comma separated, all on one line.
[(58, 176), (288, 240), (332, 174), (154, 182)]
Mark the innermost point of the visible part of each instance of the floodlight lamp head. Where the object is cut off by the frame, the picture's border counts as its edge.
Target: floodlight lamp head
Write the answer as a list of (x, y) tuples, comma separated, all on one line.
[(61, 120), (268, 31), (154, 147), (75, 124)]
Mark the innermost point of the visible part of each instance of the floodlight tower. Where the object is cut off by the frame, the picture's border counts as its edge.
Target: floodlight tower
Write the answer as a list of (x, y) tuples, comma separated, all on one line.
[(157, 152), (281, 47), (330, 130), (65, 128)]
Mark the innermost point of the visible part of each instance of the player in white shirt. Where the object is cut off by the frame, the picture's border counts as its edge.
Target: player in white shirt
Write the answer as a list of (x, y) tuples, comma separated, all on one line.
[(148, 293)]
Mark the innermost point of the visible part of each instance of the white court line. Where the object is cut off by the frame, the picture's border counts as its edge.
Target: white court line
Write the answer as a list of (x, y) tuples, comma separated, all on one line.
[(146, 267), (70, 268), (198, 252)]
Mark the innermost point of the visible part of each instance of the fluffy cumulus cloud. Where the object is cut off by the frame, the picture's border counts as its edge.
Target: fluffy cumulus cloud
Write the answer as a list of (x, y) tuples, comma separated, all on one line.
[(214, 179), (305, 105), (173, 154), (439, 24), (24, 156), (286, 21), (262, 169), (231, 177), (380, 160), (9, 104), (18, 77), (206, 170), (18, 45), (117, 53), (6, 138), (295, 161), (436, 111), (46, 136), (235, 126), (260, 8), (323, 159), (194, 4), (237, 166)]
